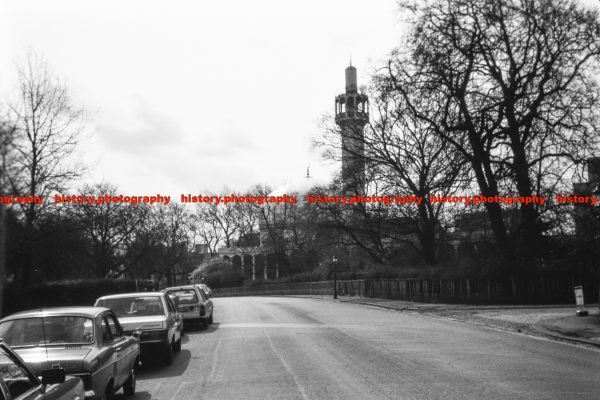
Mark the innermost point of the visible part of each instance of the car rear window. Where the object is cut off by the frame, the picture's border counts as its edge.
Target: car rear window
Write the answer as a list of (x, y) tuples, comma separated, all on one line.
[(49, 330), (185, 296), (125, 307)]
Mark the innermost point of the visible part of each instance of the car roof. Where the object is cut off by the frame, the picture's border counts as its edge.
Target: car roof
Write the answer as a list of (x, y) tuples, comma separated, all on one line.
[(83, 311), (133, 294), (180, 287)]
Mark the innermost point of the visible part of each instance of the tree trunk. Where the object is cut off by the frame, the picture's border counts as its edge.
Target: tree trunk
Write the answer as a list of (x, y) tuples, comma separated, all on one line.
[(2, 254)]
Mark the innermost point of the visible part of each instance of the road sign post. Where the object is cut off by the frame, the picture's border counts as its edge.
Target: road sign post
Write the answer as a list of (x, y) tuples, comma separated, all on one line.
[(579, 301)]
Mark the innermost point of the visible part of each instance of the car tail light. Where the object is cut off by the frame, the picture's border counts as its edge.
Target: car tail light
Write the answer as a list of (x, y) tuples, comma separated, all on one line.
[(154, 335)]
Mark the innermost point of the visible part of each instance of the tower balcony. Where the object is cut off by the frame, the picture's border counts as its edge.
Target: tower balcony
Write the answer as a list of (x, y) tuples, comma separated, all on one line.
[(352, 108), (352, 117)]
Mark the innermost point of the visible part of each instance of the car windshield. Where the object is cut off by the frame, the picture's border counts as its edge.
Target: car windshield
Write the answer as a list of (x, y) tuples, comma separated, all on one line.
[(36, 331), (185, 296), (134, 306)]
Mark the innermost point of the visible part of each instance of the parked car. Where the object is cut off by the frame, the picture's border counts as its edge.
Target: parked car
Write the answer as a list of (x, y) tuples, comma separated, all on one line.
[(193, 304), (152, 314), (19, 382), (207, 291), (87, 342)]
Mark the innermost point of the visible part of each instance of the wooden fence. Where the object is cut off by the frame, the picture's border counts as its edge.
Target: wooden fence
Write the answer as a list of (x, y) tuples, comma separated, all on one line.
[(553, 289)]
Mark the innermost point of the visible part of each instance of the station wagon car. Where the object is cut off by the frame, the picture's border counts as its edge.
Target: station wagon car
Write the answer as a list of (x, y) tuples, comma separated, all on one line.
[(19, 382), (154, 316), (193, 304), (87, 342), (207, 291)]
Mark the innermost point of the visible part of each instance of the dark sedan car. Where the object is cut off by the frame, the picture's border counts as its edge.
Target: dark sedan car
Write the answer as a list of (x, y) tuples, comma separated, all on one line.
[(19, 382), (84, 341)]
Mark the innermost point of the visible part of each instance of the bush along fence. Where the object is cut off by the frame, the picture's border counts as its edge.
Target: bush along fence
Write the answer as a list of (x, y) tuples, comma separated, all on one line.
[(550, 289)]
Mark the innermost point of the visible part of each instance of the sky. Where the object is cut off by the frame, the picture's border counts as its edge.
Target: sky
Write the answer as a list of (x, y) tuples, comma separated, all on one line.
[(191, 96)]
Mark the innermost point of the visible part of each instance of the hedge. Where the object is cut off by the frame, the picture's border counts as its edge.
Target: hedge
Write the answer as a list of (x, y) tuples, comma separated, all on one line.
[(81, 292)]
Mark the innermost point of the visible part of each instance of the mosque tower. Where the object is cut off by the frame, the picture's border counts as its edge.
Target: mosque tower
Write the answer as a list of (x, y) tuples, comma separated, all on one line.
[(351, 115)]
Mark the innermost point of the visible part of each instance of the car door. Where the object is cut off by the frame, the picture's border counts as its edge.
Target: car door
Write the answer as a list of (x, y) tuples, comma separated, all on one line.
[(174, 320), (123, 349), (107, 357)]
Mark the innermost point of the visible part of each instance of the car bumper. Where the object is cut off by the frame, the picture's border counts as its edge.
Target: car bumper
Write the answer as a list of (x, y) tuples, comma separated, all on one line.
[(154, 344), (191, 320), (188, 315)]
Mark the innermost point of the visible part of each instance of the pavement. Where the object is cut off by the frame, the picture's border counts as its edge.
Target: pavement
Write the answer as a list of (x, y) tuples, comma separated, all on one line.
[(553, 321), (306, 348)]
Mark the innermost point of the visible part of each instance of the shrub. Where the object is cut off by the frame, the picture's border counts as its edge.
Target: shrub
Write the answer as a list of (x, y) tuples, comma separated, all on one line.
[(80, 292)]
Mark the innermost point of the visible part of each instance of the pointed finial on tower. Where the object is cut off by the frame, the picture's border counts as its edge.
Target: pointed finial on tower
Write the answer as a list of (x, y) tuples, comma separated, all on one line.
[(351, 61), (308, 171), (351, 79)]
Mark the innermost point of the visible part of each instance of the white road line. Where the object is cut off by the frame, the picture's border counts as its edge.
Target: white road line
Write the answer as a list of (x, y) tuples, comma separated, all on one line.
[(271, 325), (288, 369), (213, 367)]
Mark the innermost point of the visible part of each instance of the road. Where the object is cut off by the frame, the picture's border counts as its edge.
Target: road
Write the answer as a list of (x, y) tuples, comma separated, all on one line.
[(302, 348)]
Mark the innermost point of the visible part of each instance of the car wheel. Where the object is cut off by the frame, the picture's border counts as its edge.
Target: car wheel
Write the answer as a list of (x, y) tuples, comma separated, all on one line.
[(129, 386), (177, 346), (210, 320)]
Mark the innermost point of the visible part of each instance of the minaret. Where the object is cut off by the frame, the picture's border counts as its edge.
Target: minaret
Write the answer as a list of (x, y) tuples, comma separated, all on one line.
[(352, 114)]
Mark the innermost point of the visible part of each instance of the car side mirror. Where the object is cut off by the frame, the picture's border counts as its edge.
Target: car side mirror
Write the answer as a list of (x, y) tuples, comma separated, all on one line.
[(137, 334), (53, 376)]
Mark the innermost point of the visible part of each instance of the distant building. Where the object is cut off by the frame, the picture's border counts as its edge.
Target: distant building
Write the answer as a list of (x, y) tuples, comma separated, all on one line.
[(586, 216)]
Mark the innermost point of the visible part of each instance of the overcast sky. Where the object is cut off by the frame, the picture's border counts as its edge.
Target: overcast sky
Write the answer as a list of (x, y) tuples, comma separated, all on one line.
[(183, 96)]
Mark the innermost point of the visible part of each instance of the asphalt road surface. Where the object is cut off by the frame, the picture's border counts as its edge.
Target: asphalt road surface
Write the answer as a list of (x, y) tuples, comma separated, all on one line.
[(301, 348)]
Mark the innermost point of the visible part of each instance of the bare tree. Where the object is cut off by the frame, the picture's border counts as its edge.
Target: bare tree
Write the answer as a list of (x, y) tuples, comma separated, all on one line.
[(206, 229), (248, 214), (47, 127), (511, 84), (172, 227), (6, 133), (221, 220), (110, 227), (402, 157)]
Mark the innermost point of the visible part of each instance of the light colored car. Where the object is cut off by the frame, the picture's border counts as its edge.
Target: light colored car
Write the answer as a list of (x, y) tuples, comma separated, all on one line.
[(193, 304), (207, 291), (154, 316), (87, 342), (19, 382)]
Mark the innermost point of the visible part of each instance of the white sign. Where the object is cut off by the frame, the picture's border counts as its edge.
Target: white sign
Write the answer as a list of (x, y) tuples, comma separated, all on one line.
[(579, 296)]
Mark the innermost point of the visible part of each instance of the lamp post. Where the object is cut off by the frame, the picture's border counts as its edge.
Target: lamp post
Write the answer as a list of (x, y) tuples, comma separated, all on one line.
[(335, 294)]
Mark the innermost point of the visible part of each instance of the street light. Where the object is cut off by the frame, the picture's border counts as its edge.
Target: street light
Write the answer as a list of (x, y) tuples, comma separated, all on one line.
[(335, 277)]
